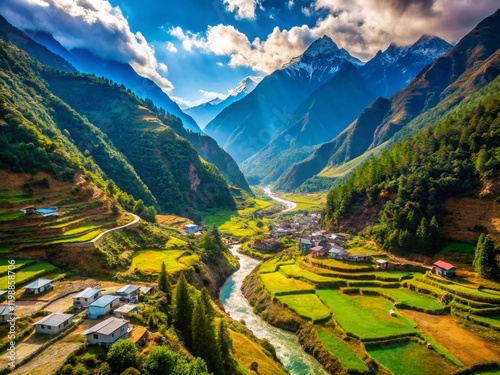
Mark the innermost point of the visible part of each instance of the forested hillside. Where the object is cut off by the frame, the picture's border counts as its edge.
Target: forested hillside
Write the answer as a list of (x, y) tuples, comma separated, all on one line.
[(400, 194), (128, 144)]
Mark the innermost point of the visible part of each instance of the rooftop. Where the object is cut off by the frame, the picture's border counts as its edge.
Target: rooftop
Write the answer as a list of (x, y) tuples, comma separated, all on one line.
[(107, 326), (87, 293), (5, 310), (38, 284), (444, 265), (104, 300), (125, 309), (54, 319), (127, 289)]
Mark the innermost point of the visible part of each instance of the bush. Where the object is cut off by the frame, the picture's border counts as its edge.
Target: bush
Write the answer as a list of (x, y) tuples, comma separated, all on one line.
[(122, 355), (105, 369)]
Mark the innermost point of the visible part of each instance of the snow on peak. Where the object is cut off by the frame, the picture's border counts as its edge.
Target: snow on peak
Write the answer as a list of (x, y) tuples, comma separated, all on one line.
[(245, 86)]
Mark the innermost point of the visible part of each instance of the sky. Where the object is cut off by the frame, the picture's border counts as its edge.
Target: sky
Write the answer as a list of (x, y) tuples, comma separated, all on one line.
[(196, 50)]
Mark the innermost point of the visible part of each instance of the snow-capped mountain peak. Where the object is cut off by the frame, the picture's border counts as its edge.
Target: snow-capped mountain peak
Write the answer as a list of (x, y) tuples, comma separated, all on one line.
[(245, 86), (321, 60)]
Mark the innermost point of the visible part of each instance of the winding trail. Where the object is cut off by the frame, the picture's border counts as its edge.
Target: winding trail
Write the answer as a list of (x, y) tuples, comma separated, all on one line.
[(287, 347)]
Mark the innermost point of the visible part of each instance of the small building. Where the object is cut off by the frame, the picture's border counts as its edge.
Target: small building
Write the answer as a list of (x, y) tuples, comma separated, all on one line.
[(359, 258), (191, 228), (382, 264), (28, 210), (86, 297), (337, 252), (38, 286), (124, 310), (262, 244), (392, 312), (318, 251), (47, 211), (128, 293), (147, 290), (442, 268), (102, 306), (305, 244), (107, 332), (53, 324), (338, 238), (5, 312)]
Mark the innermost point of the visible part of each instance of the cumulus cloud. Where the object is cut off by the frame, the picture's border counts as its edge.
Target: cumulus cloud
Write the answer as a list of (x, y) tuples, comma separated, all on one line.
[(245, 9), (360, 26), (170, 47), (94, 25)]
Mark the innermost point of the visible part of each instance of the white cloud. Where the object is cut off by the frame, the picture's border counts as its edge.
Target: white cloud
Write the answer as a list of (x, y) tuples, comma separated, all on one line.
[(94, 25), (290, 4), (220, 64), (171, 47), (206, 96), (362, 27), (245, 9)]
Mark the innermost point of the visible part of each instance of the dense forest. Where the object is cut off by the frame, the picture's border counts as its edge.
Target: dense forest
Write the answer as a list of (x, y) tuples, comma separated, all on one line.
[(410, 181)]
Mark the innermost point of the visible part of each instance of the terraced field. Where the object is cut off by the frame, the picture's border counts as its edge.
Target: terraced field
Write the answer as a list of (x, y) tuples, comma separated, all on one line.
[(357, 298), (151, 260)]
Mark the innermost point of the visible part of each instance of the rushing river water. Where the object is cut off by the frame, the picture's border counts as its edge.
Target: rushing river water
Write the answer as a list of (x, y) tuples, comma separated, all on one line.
[(287, 347)]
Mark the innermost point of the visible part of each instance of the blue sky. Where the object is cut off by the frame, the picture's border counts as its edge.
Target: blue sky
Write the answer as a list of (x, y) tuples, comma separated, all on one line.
[(203, 48)]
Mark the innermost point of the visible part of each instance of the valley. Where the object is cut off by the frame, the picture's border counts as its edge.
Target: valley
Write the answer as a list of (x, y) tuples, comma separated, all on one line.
[(324, 208)]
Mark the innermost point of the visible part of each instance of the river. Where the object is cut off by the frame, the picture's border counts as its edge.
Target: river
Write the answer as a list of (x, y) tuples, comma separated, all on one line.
[(287, 347)]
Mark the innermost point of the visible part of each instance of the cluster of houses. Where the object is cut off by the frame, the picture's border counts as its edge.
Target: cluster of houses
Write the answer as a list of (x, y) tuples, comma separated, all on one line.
[(105, 333)]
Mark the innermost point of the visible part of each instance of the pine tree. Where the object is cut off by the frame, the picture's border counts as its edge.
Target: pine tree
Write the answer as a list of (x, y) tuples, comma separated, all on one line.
[(224, 342), (204, 340), (164, 283), (183, 311), (207, 304), (485, 257), (423, 236)]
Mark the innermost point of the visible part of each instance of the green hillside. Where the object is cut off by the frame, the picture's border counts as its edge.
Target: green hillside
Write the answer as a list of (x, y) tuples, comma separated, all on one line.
[(408, 183)]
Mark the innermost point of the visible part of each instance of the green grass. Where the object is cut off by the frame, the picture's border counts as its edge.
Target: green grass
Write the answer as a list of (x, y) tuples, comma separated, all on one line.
[(306, 306), (150, 260), (347, 265), (271, 265), (4, 265), (464, 290), (410, 358), (12, 215), (27, 273), (364, 316), (4, 249), (190, 260), (410, 298), (311, 202), (63, 223), (174, 241), (83, 228), (342, 351), (494, 320), (458, 247), (348, 167), (83, 238), (278, 283), (297, 272)]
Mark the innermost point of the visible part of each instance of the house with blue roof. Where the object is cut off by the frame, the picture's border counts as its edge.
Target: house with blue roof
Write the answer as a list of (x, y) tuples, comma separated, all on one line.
[(102, 306), (38, 286), (128, 293), (86, 297)]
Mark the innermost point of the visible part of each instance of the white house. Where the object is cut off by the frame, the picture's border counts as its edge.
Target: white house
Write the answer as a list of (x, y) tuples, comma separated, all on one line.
[(128, 293), (102, 306), (86, 297), (107, 332), (124, 310), (38, 286), (5, 311), (147, 290), (191, 228), (54, 323)]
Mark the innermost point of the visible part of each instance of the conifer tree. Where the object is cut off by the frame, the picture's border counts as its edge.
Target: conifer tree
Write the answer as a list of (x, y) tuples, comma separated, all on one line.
[(224, 342), (207, 304), (204, 340), (183, 311), (485, 257), (164, 283)]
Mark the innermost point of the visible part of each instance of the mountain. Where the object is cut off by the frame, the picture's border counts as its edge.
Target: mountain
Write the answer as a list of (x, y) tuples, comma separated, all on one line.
[(64, 122), (147, 89), (121, 73), (471, 64), (246, 126), (206, 112), (328, 111), (393, 69)]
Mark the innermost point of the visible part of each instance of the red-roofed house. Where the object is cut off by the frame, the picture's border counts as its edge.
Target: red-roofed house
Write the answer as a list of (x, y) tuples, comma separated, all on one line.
[(443, 268)]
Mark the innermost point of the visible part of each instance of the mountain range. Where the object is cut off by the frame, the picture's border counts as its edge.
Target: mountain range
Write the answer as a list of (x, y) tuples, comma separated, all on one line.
[(329, 109), (206, 112), (471, 64), (73, 121)]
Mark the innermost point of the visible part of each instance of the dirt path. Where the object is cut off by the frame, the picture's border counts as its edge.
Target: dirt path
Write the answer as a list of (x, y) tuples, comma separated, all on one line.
[(468, 347), (48, 361)]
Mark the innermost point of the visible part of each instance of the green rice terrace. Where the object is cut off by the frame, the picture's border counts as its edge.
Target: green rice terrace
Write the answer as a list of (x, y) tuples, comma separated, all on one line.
[(365, 317)]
